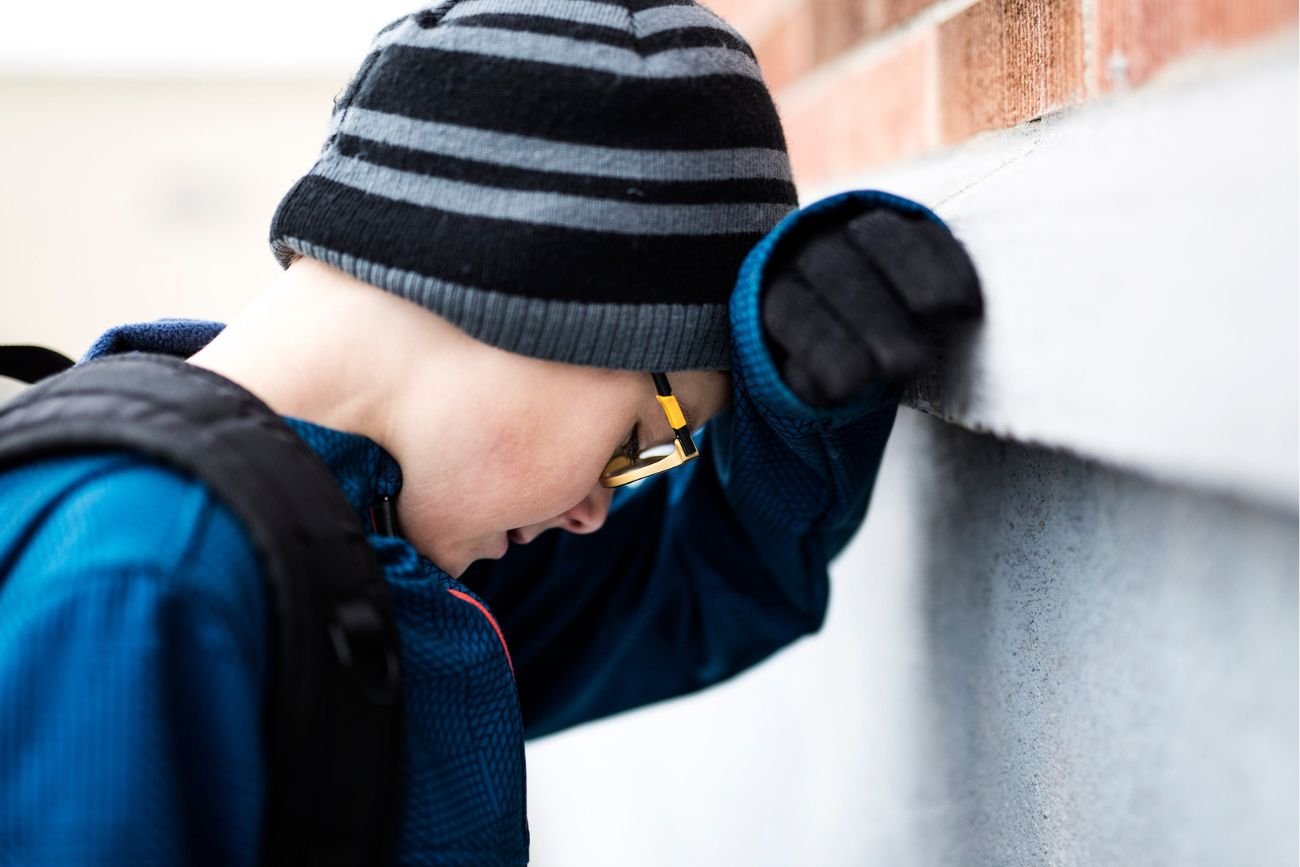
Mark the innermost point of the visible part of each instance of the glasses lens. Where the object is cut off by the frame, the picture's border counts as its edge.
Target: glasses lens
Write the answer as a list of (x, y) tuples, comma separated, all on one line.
[(623, 470), (656, 453)]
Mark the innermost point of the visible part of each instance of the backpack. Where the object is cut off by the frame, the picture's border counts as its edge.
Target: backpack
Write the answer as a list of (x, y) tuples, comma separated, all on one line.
[(332, 712)]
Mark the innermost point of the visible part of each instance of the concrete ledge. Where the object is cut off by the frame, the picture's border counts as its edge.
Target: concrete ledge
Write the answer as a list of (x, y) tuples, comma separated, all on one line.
[(1139, 257)]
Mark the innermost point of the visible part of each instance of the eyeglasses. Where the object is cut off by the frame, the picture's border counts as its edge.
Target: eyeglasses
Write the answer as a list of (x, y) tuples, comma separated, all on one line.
[(625, 469)]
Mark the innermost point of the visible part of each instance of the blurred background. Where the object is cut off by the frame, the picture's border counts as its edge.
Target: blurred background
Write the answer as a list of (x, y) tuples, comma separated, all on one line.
[(1067, 633), (147, 145)]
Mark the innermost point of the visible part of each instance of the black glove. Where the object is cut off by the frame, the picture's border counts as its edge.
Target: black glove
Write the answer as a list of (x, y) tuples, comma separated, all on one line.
[(856, 297)]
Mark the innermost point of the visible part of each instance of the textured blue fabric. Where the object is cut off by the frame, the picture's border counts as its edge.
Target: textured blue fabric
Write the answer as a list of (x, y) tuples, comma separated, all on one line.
[(159, 759), (133, 625), (463, 736), (131, 658), (168, 336), (703, 571)]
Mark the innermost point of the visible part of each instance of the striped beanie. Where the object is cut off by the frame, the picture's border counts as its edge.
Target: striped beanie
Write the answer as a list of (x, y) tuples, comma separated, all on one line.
[(575, 180)]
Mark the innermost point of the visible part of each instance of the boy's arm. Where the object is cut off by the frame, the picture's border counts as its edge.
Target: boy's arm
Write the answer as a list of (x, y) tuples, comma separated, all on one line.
[(703, 571), (130, 711)]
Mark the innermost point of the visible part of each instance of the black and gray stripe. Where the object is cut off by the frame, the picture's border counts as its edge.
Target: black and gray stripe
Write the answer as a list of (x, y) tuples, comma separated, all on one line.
[(632, 336), (639, 268), (639, 19), (547, 154), (576, 180), (624, 188), (571, 103), (576, 51), (654, 43)]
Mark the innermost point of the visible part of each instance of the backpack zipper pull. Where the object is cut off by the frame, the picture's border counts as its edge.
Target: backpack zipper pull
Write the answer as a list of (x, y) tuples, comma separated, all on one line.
[(383, 517)]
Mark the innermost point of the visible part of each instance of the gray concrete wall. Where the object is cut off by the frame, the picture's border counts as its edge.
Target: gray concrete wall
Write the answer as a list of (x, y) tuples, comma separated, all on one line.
[(1112, 663), (1139, 262), (1030, 659), (1071, 638)]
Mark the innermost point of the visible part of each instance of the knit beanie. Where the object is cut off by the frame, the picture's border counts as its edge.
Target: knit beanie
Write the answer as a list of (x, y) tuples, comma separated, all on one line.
[(574, 180)]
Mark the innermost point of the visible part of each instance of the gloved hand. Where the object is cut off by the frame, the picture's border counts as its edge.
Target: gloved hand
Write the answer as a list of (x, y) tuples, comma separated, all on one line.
[(856, 297)]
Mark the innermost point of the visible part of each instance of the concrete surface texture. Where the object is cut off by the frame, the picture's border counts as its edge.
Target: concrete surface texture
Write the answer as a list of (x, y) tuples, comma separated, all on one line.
[(1140, 266), (1030, 659), (1082, 654), (1113, 663)]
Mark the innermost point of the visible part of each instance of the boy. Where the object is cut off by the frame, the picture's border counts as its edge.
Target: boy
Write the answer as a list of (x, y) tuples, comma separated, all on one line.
[(512, 270)]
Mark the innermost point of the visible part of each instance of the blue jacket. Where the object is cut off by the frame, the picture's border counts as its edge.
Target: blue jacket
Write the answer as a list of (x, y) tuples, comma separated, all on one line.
[(133, 647)]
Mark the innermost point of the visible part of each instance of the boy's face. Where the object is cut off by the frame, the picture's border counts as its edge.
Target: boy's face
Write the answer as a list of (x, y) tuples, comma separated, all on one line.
[(547, 435)]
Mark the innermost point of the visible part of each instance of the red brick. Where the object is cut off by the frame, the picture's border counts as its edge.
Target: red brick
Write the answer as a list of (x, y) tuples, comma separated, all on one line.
[(807, 33), (1006, 61), (880, 15), (1136, 38), (743, 14), (839, 25), (868, 116), (786, 52), (836, 26), (753, 19)]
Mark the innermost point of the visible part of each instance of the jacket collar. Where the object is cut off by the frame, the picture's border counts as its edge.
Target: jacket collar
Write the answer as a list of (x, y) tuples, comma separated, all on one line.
[(363, 469)]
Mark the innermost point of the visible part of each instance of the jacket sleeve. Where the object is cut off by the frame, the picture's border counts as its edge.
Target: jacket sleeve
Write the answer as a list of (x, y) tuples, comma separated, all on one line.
[(703, 571), (130, 725)]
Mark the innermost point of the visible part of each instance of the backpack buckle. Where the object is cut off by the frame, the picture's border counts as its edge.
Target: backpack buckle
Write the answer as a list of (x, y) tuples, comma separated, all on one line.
[(365, 650)]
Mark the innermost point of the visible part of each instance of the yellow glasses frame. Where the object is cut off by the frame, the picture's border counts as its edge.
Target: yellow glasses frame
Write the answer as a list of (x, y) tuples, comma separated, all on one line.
[(623, 470)]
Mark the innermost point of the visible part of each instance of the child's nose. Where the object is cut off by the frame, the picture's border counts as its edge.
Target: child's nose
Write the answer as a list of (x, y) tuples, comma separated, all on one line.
[(589, 515)]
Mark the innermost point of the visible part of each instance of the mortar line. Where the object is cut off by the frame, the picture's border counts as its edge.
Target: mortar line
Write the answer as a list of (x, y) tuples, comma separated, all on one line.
[(868, 52)]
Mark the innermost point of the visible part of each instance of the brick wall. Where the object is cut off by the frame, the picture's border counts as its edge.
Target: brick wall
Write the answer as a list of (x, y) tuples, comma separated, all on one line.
[(860, 83)]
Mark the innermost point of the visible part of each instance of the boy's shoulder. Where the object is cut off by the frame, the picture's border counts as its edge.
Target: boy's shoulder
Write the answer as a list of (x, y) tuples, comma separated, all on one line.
[(71, 525)]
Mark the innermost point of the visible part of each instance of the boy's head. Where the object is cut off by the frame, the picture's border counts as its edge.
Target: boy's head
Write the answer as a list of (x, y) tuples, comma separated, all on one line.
[(575, 181), (570, 182), (494, 446)]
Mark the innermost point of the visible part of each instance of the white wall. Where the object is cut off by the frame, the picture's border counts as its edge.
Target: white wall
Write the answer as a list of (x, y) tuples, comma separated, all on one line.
[(1029, 659), (1083, 654), (1139, 257), (281, 38)]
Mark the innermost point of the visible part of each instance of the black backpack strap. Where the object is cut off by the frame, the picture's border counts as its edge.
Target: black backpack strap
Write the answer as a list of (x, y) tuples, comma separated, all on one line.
[(333, 709), (31, 363)]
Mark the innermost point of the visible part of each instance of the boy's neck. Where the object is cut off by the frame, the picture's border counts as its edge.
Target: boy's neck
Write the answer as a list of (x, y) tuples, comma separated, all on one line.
[(324, 347)]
